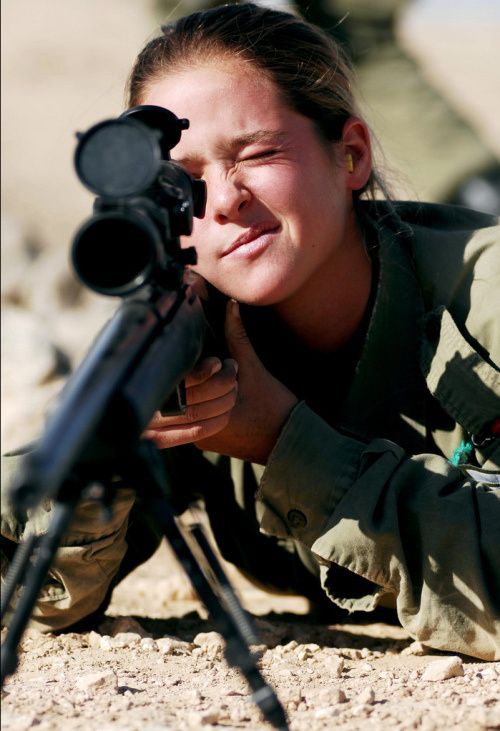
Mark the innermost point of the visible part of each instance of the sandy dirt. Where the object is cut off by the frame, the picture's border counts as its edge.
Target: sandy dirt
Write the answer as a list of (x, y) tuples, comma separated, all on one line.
[(64, 65), (125, 677)]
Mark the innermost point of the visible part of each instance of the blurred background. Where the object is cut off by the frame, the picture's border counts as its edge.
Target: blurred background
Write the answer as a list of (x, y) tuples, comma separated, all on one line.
[(429, 86)]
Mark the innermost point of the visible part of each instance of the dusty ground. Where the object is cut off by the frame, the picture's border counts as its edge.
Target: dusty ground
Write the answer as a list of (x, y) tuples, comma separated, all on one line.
[(347, 677), (64, 65)]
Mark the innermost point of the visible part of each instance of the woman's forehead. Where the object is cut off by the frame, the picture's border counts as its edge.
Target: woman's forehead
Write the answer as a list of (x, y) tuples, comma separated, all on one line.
[(220, 100), (214, 78)]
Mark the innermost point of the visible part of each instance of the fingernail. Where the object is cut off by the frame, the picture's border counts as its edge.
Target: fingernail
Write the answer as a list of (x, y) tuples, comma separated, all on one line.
[(215, 368), (235, 364)]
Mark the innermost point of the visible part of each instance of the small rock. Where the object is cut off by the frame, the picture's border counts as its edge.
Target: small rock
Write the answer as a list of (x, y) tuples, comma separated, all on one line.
[(289, 647), (328, 712), (416, 648), (173, 646), (335, 666), (203, 718), (363, 709), (489, 673), (148, 644), (292, 695), (98, 682), (312, 648), (366, 667), (195, 696), (332, 696), (107, 643), (120, 625), (448, 667), (350, 653), (94, 640), (212, 642), (127, 639), (367, 696)]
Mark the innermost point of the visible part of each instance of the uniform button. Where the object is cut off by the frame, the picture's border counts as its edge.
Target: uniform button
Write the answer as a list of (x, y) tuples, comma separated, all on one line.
[(296, 519)]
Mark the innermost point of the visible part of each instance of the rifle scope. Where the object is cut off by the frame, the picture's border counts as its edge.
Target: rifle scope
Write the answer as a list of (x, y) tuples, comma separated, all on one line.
[(145, 201)]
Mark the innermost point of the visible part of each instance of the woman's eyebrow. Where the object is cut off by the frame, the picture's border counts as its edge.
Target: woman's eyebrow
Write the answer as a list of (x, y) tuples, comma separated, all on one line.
[(231, 145), (251, 138)]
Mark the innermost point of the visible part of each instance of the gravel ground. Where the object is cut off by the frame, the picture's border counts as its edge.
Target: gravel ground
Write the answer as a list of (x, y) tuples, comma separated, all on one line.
[(156, 663), (64, 65)]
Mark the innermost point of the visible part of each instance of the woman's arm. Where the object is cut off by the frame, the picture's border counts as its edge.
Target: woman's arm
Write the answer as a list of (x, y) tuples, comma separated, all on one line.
[(414, 527)]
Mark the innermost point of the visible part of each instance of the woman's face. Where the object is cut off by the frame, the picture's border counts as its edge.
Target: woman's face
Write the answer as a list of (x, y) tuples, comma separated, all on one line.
[(278, 206)]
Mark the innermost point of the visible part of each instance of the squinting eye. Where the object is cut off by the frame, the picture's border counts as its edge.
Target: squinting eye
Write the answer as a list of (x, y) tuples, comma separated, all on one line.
[(259, 155)]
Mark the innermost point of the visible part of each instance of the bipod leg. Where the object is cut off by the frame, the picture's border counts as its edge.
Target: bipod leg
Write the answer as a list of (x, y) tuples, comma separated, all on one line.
[(17, 571), (34, 575), (228, 624), (223, 585)]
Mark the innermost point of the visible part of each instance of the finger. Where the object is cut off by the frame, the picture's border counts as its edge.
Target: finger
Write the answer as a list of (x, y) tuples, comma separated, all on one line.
[(203, 370), (175, 436), (196, 412), (237, 339), (217, 385)]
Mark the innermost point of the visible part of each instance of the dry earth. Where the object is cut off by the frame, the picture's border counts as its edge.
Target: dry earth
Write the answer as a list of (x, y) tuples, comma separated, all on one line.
[(60, 74), (126, 678)]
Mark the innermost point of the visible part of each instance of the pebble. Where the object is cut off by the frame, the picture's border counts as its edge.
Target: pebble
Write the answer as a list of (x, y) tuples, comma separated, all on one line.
[(195, 696), (416, 648), (488, 674), (367, 696), (303, 654), (328, 712), (126, 624), (448, 667), (351, 653), (203, 718), (363, 709), (94, 640), (127, 639), (289, 647), (366, 667), (209, 639), (331, 696), (173, 646), (107, 643), (148, 644), (292, 695), (120, 641), (335, 666), (93, 682)]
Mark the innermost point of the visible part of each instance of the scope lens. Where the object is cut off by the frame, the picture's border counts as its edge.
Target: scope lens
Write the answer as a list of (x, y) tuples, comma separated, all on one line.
[(114, 255), (118, 158)]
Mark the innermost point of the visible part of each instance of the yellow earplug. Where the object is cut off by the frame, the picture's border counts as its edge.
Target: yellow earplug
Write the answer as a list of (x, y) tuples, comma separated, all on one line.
[(350, 163)]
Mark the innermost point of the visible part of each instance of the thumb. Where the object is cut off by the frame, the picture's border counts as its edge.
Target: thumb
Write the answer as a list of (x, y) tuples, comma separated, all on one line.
[(237, 339)]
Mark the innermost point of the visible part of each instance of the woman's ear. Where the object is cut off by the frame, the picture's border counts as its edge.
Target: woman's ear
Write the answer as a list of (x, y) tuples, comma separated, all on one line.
[(356, 147)]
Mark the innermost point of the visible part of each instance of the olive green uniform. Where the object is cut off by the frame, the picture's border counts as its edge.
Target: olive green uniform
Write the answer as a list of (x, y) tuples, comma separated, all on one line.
[(359, 495)]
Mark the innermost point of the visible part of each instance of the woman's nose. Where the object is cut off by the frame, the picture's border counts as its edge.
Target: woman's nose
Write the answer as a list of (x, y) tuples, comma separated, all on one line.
[(229, 198)]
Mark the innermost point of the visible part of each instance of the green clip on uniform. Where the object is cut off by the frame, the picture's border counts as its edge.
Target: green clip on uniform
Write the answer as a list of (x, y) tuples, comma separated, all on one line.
[(359, 496)]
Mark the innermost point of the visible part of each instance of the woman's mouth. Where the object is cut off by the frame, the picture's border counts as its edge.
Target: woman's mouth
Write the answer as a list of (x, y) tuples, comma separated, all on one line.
[(252, 242)]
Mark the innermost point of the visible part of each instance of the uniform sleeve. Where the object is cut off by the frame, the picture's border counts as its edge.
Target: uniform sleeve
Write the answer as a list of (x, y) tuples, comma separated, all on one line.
[(86, 563), (414, 527)]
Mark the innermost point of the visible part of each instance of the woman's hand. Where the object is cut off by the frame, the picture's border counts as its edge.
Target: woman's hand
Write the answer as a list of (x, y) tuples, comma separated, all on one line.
[(211, 390), (263, 403), (240, 418)]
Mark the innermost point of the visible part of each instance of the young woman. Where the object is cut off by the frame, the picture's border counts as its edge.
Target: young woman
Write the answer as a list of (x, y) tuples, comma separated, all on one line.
[(353, 429)]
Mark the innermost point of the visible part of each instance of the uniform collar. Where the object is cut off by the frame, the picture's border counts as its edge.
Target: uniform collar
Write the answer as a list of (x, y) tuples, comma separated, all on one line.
[(387, 394)]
